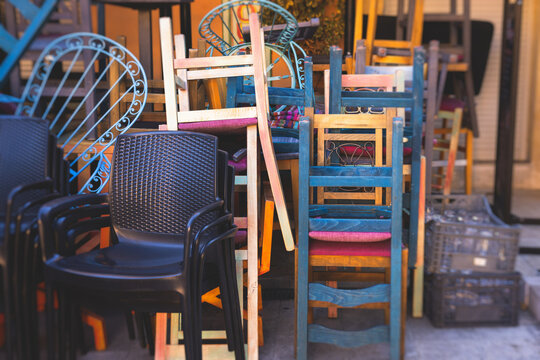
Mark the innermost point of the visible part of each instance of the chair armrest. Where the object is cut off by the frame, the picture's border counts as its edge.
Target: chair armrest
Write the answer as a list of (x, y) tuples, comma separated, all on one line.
[(189, 236), (49, 211), (17, 191), (223, 220)]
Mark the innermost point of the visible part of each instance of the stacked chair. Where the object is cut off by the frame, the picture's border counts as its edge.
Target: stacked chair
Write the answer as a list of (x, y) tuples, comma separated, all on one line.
[(347, 233), (251, 121), (30, 171), (180, 219)]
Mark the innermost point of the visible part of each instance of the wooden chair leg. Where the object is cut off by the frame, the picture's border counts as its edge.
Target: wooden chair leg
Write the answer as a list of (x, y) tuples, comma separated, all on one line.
[(294, 183), (332, 310), (404, 269), (97, 323), (418, 272), (469, 157)]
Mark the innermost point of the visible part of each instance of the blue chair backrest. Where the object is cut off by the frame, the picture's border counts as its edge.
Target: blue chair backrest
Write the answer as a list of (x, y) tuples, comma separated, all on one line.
[(15, 48), (117, 96)]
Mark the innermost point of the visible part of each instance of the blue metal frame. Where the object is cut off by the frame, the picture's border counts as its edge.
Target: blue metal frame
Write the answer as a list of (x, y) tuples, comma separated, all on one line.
[(58, 105), (15, 48)]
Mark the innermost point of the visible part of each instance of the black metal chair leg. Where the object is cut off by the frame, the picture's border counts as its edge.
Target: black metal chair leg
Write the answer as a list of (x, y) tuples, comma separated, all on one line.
[(150, 338), (51, 339), (140, 329), (225, 292), (129, 324)]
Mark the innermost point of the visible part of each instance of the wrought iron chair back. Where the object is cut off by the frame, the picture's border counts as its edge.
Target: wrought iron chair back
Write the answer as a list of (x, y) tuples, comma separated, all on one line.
[(86, 134), (225, 28), (15, 47)]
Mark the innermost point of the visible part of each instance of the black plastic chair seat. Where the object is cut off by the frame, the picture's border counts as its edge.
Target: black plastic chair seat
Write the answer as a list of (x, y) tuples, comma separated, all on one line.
[(123, 261)]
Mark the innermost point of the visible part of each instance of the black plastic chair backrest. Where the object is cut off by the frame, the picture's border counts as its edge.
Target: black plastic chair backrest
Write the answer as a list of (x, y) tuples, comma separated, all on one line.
[(24, 154), (160, 179)]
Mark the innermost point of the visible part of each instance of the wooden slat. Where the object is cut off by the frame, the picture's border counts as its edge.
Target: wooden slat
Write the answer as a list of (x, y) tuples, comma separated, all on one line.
[(350, 137), (348, 121), (418, 273), (217, 114), (395, 44), (7, 41), (328, 195), (351, 181), (214, 61), (219, 73), (26, 8), (171, 105), (348, 339), (347, 276), (349, 298), (349, 261), (350, 171)]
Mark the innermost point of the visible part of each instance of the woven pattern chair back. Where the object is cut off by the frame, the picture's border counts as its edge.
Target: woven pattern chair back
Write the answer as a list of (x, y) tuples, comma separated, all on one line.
[(160, 179), (86, 132), (24, 150)]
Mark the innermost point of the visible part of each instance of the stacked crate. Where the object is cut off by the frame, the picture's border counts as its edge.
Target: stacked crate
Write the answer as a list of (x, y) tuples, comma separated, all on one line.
[(470, 258)]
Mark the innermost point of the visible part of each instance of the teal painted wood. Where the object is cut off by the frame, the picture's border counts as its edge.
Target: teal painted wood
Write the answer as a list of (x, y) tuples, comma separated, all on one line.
[(38, 19), (309, 98), (377, 102), (336, 55), (303, 239), (364, 211), (351, 181), (350, 171), (350, 225), (7, 41), (416, 120), (349, 298), (348, 339), (396, 243), (70, 121)]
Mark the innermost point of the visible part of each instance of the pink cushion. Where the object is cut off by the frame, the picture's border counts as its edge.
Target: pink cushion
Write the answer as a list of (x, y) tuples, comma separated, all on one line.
[(239, 166), (380, 248), (218, 126), (450, 104), (348, 236)]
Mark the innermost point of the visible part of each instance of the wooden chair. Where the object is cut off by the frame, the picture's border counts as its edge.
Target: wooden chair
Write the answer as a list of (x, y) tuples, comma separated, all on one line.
[(335, 234), (412, 99), (238, 93), (464, 84), (252, 120), (15, 46), (397, 52)]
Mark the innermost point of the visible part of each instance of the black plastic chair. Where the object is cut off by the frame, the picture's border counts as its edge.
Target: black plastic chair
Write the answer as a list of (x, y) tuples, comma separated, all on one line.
[(26, 162), (169, 209)]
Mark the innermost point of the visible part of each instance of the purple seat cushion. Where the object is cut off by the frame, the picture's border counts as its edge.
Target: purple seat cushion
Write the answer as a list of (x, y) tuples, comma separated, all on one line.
[(348, 236), (239, 166), (451, 104), (218, 126), (380, 248)]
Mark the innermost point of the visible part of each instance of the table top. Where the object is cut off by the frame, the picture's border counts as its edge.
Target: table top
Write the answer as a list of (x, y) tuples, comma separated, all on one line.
[(142, 3)]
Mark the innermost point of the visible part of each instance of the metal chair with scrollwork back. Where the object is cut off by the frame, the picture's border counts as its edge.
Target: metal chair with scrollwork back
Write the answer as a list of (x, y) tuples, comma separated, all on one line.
[(225, 29), (86, 134)]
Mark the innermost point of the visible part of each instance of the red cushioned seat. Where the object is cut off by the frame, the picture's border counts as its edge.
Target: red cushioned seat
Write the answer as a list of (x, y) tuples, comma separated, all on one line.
[(379, 248), (348, 236), (218, 126), (451, 104)]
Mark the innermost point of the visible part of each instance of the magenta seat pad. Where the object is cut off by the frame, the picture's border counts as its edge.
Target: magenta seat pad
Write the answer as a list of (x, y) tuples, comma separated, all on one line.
[(380, 248), (348, 236), (218, 126)]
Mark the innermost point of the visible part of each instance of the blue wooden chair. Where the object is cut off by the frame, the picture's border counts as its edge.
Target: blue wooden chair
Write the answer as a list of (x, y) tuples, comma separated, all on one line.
[(285, 140), (412, 100), (348, 234), (15, 47), (86, 134)]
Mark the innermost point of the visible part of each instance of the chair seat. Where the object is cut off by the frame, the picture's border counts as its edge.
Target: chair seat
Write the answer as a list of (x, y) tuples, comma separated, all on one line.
[(379, 248), (218, 126), (121, 261), (451, 104), (239, 166), (349, 236), (240, 238)]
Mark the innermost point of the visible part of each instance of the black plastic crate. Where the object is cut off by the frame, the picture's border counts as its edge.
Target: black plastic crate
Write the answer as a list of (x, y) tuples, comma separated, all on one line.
[(478, 299), (463, 235)]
